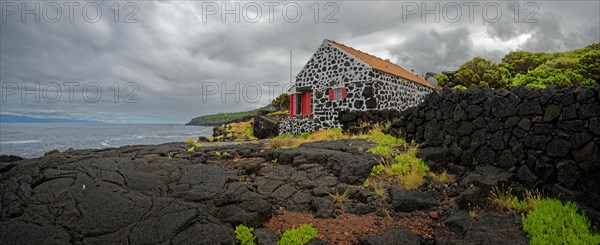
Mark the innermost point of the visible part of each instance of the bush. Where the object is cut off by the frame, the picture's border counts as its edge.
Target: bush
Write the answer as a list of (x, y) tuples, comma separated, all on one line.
[(442, 79), (298, 236), (461, 87), (282, 102), (244, 236), (552, 222)]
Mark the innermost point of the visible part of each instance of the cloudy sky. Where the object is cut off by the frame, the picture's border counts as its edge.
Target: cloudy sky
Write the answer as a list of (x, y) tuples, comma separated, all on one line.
[(167, 61)]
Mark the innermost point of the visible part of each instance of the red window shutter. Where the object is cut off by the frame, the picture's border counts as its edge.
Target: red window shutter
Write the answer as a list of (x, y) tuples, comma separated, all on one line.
[(330, 91), (293, 104), (343, 92)]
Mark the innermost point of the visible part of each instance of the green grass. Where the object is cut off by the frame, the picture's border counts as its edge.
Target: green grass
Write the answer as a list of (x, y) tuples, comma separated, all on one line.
[(552, 222), (505, 200), (340, 197), (244, 236), (407, 167), (298, 236)]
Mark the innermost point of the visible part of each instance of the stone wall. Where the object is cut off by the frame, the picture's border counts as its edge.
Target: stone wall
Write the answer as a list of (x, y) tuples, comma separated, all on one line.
[(547, 137)]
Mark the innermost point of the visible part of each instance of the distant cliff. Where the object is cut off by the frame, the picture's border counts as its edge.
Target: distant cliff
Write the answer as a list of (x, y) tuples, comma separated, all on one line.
[(24, 119), (220, 118)]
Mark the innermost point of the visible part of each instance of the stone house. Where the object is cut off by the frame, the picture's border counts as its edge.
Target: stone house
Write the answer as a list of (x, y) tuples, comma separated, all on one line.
[(340, 78)]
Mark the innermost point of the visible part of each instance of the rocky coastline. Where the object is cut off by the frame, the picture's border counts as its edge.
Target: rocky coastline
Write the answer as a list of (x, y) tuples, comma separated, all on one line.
[(168, 194)]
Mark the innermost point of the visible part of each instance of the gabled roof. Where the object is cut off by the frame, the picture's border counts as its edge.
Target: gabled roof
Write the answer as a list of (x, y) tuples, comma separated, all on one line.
[(382, 65)]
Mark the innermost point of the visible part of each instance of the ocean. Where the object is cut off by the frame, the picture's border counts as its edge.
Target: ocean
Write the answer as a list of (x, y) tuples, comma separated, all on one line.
[(34, 139)]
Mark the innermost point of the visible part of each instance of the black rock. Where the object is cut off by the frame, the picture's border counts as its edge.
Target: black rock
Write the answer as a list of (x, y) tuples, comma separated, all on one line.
[(571, 126), (567, 173), (484, 228), (323, 207), (595, 125), (537, 142), (265, 127), (265, 236), (472, 197), (464, 128), (506, 159), (474, 111), (558, 147), (588, 157), (316, 241), (552, 113), (569, 112), (531, 107), (527, 178), (484, 156), (436, 154), (580, 139), (407, 201), (542, 129), (511, 122), (392, 236), (524, 124)]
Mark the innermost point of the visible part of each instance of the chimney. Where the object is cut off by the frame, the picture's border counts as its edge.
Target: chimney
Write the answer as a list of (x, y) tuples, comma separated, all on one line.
[(387, 61), (412, 71)]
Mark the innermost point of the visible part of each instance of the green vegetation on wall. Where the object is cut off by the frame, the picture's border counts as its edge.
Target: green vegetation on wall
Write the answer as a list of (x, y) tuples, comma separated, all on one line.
[(580, 67)]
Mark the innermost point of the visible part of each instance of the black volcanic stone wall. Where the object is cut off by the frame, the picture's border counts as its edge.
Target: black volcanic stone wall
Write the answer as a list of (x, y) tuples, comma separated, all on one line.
[(549, 136), (352, 121)]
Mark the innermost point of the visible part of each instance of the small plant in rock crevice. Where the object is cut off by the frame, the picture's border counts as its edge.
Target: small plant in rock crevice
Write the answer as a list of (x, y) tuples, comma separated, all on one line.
[(506, 200), (407, 167), (244, 236), (298, 236), (340, 197)]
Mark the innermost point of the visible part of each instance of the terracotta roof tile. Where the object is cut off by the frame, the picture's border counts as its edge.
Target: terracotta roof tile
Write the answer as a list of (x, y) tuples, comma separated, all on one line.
[(382, 65)]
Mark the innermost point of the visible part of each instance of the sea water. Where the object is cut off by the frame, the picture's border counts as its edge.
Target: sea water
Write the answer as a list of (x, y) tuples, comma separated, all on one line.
[(34, 139)]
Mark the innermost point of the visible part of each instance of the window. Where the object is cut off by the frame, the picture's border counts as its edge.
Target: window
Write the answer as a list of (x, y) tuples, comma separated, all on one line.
[(337, 93), (300, 103)]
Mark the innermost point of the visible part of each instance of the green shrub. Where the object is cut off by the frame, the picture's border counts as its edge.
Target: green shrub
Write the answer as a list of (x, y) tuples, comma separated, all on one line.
[(461, 87), (552, 222), (244, 236), (298, 236), (442, 79)]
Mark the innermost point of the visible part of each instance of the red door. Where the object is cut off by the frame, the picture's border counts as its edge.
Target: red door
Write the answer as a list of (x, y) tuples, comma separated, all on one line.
[(306, 103), (293, 104)]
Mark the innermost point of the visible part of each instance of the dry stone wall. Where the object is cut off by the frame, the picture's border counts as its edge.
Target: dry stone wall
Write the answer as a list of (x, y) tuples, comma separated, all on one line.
[(549, 136)]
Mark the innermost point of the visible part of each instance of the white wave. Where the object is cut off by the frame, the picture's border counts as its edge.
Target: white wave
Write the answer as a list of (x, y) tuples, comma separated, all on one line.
[(21, 142), (105, 143)]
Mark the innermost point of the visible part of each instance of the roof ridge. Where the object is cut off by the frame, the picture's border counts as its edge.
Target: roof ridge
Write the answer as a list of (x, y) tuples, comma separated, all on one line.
[(375, 64)]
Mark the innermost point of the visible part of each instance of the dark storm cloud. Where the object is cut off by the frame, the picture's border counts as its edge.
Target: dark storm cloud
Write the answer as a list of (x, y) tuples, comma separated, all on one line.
[(171, 53), (443, 50)]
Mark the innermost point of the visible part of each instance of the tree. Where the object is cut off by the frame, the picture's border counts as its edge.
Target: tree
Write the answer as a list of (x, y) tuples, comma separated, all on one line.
[(519, 62), (482, 72), (282, 102)]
